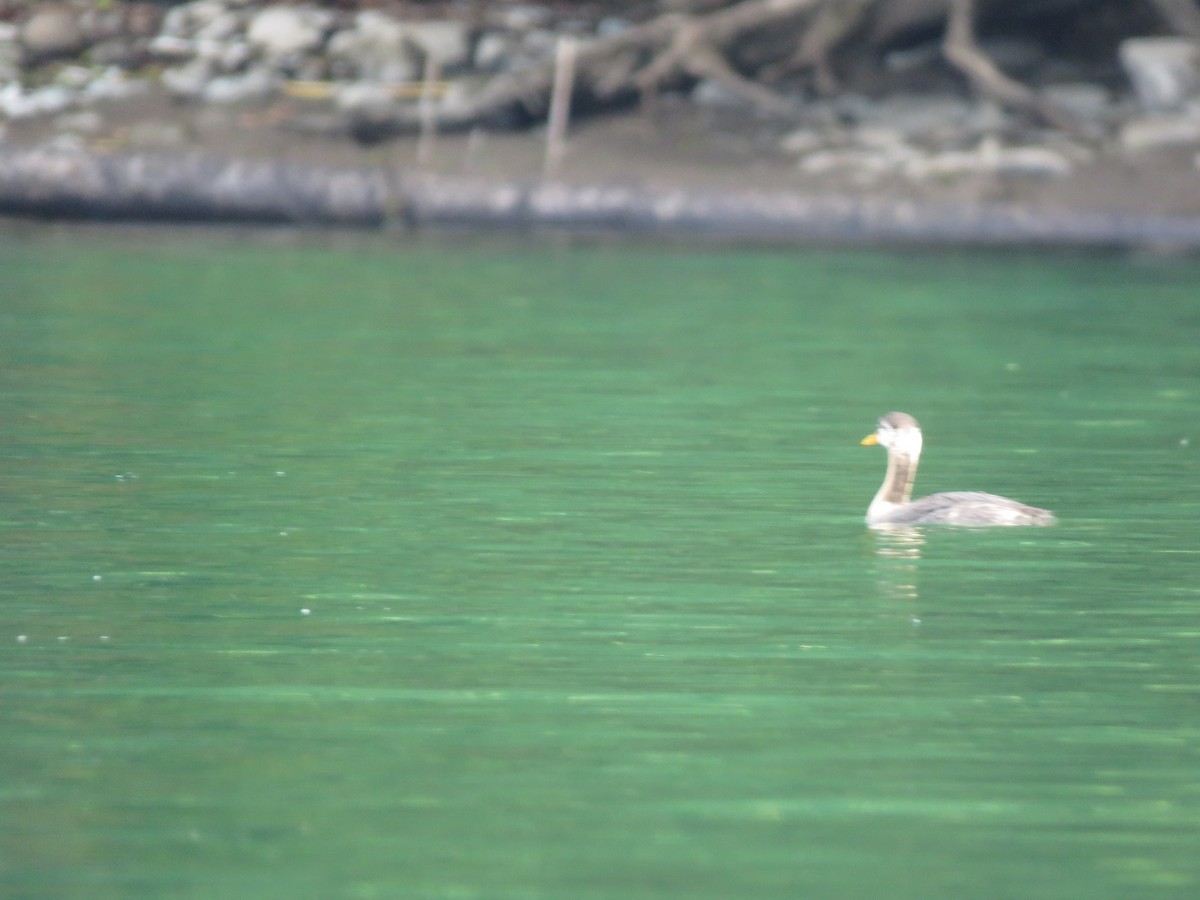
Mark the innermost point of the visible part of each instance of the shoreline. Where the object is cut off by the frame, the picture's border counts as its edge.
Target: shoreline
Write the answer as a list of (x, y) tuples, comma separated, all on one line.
[(203, 187), (257, 112)]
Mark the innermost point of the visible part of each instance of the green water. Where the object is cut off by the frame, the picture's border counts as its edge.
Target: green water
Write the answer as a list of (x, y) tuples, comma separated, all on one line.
[(344, 567)]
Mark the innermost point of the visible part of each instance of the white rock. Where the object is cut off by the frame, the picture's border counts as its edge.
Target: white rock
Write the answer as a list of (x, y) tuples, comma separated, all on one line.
[(942, 165), (1152, 132), (171, 46), (1036, 162), (73, 77), (876, 137), (114, 84), (862, 164), (524, 16), (991, 158), (17, 103), (1163, 71), (363, 96), (256, 84), (802, 140), (280, 31), (492, 51), (189, 80)]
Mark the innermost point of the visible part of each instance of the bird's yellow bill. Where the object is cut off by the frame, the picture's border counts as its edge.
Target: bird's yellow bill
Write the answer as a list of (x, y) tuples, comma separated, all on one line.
[(869, 441)]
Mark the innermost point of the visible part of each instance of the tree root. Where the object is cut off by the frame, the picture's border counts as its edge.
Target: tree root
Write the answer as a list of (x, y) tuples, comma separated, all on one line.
[(779, 36), (962, 51), (832, 24), (670, 49)]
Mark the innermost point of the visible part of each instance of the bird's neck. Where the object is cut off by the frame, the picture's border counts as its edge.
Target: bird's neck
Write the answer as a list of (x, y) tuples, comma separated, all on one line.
[(898, 482)]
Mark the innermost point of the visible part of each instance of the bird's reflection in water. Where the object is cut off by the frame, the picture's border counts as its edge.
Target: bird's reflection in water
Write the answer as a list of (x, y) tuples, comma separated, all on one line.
[(897, 556)]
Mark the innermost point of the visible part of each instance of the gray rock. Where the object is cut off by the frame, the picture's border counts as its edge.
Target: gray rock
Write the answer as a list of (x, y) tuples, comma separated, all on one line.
[(225, 25), (538, 45), (52, 32), (377, 48), (912, 58), (1085, 101), (128, 53), (156, 133), (74, 78), (208, 29), (10, 56), (226, 57), (712, 93), (113, 84), (444, 42), (802, 141), (67, 142), (188, 19), (932, 118), (187, 82), (1015, 56), (610, 26), (1163, 71), (170, 48), (86, 121)]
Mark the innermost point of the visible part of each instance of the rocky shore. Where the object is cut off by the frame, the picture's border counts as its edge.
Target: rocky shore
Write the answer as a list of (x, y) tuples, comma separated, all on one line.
[(229, 110)]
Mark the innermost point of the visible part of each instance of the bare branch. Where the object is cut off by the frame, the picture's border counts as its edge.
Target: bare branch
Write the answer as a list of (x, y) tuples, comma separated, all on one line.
[(963, 52)]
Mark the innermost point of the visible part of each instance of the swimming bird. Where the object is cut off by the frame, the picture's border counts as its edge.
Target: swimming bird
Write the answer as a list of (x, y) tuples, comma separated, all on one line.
[(901, 435)]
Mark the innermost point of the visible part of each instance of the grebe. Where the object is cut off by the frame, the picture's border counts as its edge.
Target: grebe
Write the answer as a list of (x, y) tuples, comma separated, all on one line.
[(901, 435)]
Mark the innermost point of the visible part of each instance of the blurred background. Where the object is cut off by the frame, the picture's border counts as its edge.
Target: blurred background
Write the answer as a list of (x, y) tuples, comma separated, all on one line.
[(1054, 104)]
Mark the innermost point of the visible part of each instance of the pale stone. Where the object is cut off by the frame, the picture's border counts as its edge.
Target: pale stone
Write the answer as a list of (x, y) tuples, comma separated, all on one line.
[(377, 48), (280, 31), (1163, 71), (52, 30), (445, 42), (1152, 132)]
